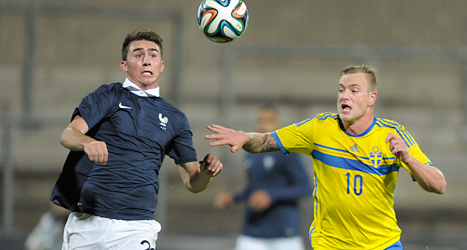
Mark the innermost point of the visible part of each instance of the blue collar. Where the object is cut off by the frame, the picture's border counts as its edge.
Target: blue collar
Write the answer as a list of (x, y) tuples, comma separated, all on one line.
[(362, 134)]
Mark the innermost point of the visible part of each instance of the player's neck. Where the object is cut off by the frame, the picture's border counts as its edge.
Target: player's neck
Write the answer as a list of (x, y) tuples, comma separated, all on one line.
[(359, 126), (145, 87)]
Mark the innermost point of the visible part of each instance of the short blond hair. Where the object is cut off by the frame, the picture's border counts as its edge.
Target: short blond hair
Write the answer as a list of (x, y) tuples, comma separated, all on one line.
[(369, 70)]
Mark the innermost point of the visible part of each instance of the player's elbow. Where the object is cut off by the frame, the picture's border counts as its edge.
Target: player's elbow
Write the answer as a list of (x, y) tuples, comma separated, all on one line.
[(195, 190), (63, 137), (65, 142), (442, 188), (196, 187), (438, 188), (441, 185), (68, 141)]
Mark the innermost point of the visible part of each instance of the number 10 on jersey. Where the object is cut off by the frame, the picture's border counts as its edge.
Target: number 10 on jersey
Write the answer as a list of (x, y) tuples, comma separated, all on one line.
[(355, 184)]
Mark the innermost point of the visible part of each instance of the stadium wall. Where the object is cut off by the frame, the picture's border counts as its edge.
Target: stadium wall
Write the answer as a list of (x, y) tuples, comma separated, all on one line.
[(73, 55)]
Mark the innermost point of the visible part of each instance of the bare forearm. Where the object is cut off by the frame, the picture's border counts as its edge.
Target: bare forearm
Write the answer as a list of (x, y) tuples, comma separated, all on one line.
[(75, 140), (260, 143), (200, 181), (196, 181), (428, 177)]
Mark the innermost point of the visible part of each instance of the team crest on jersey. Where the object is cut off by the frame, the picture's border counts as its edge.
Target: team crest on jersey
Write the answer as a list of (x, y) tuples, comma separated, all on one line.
[(164, 121), (376, 157)]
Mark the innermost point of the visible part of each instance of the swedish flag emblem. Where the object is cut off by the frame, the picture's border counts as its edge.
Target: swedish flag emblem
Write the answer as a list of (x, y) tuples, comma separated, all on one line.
[(376, 157)]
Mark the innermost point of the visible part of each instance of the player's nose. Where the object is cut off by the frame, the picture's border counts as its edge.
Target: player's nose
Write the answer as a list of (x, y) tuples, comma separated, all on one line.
[(345, 95), (145, 60)]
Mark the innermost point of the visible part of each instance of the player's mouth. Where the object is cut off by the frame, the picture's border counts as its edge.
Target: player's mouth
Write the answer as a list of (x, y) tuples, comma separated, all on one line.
[(147, 73), (345, 108)]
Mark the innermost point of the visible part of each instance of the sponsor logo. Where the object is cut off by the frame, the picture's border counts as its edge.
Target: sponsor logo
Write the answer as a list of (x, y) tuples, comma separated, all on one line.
[(354, 148), (123, 107)]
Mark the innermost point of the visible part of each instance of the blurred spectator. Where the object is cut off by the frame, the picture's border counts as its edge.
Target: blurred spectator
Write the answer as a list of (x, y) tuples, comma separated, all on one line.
[(276, 182), (48, 233)]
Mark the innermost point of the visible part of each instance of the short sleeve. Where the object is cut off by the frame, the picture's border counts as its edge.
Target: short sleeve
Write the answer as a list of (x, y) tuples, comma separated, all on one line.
[(182, 150), (96, 105), (297, 137), (417, 153)]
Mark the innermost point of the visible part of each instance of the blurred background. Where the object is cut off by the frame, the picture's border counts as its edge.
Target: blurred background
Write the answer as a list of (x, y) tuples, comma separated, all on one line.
[(53, 53)]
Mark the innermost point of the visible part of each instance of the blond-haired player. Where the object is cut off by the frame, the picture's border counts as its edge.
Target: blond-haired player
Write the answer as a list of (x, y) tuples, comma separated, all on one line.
[(357, 158)]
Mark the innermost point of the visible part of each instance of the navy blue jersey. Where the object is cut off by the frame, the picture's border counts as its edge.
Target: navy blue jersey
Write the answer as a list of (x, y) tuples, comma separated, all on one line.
[(286, 180), (139, 130)]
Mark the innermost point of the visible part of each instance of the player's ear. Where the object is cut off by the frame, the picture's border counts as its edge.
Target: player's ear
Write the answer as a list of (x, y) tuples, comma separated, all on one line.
[(373, 96), (162, 66), (123, 66)]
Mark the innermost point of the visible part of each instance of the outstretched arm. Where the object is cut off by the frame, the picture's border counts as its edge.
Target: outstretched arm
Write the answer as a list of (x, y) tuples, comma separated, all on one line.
[(197, 176), (428, 177), (251, 142)]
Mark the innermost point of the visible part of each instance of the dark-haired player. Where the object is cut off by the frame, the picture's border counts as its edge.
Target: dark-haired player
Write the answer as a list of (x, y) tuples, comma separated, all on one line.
[(118, 137)]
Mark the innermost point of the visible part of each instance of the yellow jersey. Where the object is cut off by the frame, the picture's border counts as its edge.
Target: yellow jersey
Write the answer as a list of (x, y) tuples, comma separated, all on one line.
[(355, 177)]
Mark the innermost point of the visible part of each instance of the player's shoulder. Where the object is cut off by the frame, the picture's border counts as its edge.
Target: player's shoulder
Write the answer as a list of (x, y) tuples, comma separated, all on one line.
[(388, 123), (112, 87), (169, 107), (319, 118), (327, 116)]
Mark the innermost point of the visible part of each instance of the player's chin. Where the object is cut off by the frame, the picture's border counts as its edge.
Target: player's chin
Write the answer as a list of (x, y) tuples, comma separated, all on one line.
[(345, 116), (342, 115), (147, 80)]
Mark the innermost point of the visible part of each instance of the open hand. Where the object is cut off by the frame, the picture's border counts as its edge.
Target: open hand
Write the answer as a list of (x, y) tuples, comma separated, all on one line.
[(226, 136)]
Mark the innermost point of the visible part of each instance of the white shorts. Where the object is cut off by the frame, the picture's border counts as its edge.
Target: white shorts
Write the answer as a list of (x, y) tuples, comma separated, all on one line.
[(251, 243), (88, 232)]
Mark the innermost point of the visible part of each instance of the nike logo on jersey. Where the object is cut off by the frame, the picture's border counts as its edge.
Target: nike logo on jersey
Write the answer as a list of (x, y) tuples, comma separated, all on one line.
[(123, 107)]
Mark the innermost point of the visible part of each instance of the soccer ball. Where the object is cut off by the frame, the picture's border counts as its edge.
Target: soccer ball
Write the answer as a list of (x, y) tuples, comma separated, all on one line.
[(222, 21)]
